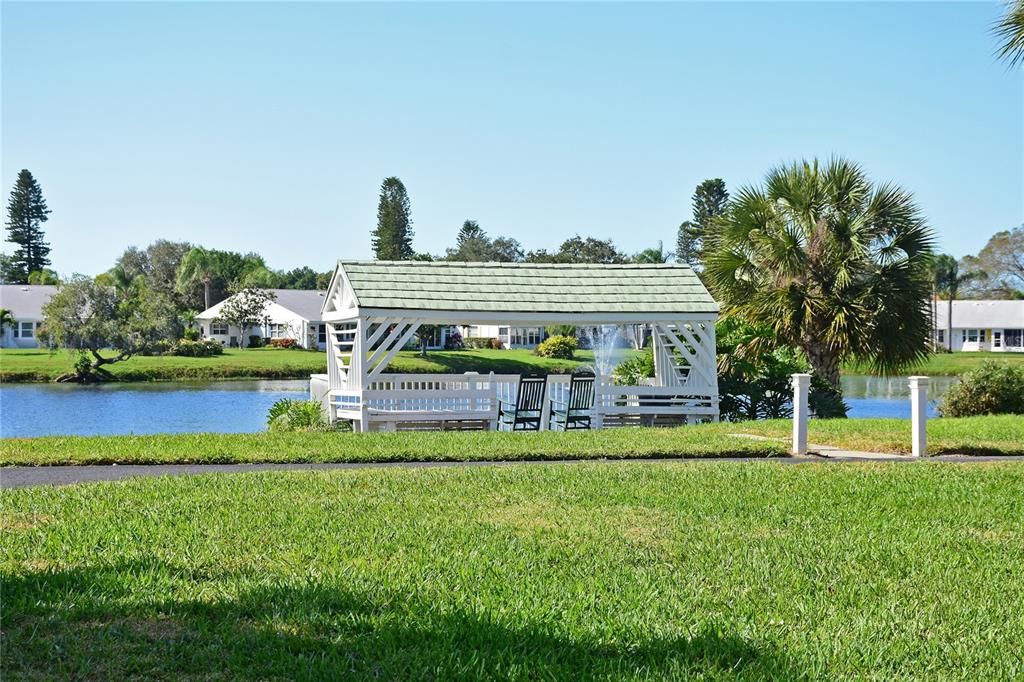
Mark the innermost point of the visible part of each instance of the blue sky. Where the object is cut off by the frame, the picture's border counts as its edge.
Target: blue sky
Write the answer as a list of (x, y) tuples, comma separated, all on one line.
[(268, 127)]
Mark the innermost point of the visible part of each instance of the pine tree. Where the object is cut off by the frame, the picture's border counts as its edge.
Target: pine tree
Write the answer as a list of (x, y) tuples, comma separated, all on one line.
[(470, 232), (26, 213), (392, 240), (709, 201)]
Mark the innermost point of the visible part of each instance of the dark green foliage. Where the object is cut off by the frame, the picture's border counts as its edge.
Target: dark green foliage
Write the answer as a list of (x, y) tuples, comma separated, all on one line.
[(580, 250), (655, 255), (302, 416), (26, 213), (473, 245), (392, 239), (993, 388), (560, 330), (710, 201), (1010, 32), (304, 278), (632, 371), (559, 347), (833, 264), (247, 308), (754, 376), (998, 269)]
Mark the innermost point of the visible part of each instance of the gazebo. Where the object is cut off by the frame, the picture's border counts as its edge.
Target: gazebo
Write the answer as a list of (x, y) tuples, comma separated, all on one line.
[(373, 309)]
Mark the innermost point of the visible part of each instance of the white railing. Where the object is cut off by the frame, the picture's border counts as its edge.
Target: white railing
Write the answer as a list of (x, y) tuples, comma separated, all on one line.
[(424, 397)]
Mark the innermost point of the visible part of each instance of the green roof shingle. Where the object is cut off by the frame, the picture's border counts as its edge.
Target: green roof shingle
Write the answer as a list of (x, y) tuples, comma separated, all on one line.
[(528, 287)]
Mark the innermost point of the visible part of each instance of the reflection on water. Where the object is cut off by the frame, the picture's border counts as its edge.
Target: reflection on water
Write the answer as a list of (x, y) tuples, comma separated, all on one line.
[(870, 396), (166, 407), (241, 406)]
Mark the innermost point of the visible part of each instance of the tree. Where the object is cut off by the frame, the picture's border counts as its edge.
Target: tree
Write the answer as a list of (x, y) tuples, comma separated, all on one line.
[(950, 280), (304, 278), (44, 276), (158, 265), (392, 240), (1010, 32), (198, 265), (506, 250), (709, 202), (8, 272), (999, 265), (938, 269), (6, 320), (26, 213), (91, 319), (580, 250), (124, 282), (473, 245), (654, 255), (247, 308), (835, 265)]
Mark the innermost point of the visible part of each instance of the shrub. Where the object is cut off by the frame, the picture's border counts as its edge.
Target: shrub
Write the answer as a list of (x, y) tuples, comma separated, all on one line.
[(453, 341), (632, 371), (297, 415), (191, 334), (255, 341), (197, 349), (496, 344), (560, 330), (559, 347), (478, 342), (283, 343), (992, 388)]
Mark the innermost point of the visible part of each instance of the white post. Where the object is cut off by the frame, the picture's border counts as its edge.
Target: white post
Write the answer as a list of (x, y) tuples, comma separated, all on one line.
[(919, 415), (801, 412)]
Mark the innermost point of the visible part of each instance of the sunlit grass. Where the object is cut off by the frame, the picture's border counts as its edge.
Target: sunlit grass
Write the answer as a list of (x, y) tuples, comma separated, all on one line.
[(594, 571)]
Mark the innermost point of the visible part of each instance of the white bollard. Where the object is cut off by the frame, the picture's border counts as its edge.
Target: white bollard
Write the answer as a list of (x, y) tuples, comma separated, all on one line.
[(801, 412), (919, 415)]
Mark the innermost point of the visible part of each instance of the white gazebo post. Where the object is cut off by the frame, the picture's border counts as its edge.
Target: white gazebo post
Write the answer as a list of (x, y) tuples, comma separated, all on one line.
[(919, 415), (801, 412)]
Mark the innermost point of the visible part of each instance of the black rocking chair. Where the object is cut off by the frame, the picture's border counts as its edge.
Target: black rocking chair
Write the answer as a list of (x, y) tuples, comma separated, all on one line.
[(574, 412), (525, 415)]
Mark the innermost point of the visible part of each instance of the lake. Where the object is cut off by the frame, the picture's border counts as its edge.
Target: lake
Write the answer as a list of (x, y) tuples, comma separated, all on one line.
[(241, 406)]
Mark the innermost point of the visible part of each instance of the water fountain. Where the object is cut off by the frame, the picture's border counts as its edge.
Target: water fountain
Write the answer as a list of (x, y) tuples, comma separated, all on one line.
[(604, 340)]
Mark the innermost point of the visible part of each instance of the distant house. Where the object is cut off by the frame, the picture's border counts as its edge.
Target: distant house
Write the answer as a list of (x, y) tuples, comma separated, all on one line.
[(295, 314), (996, 326), (510, 335), (25, 301)]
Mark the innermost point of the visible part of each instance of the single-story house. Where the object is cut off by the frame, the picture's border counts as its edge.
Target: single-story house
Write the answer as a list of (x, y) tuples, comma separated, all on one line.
[(996, 326), (25, 301), (294, 314), (511, 336)]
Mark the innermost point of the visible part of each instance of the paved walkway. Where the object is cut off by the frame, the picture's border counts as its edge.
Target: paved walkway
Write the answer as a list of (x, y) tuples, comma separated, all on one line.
[(21, 476)]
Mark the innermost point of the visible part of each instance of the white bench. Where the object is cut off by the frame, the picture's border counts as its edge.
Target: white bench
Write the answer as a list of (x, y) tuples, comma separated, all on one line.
[(414, 410)]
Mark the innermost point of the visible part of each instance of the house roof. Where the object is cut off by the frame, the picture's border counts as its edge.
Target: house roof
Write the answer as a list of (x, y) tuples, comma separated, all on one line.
[(26, 301), (527, 287), (981, 315), (304, 303)]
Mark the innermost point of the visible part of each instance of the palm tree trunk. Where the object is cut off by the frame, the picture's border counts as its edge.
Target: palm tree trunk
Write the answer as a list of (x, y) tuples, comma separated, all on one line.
[(206, 292), (949, 323), (825, 364)]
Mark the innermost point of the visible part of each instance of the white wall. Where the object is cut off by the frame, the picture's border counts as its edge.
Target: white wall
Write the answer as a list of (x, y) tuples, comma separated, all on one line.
[(8, 340), (295, 327)]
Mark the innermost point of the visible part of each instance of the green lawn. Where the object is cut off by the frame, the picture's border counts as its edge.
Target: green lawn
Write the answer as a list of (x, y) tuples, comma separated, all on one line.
[(950, 364), (591, 571), (268, 363), (972, 435), (991, 435), (380, 447)]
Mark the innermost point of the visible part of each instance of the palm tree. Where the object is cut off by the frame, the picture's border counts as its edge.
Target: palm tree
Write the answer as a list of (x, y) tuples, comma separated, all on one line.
[(1010, 31), (950, 281), (198, 265), (835, 265), (123, 282), (938, 272), (654, 255)]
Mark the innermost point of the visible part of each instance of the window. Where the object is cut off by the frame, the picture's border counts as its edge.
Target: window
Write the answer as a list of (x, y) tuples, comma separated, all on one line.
[(218, 329), (321, 335), (278, 331), (971, 335), (997, 338), (942, 336), (503, 332), (25, 330), (1013, 338), (472, 332), (526, 336)]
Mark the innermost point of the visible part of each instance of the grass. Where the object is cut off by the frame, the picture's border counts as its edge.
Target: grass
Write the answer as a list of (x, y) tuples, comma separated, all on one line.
[(35, 365), (379, 447), (596, 571), (989, 435), (950, 364), (1002, 435)]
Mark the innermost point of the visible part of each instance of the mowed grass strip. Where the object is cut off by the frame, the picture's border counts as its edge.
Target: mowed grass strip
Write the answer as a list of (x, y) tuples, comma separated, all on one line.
[(948, 364), (596, 571), (32, 365), (212, 448), (987, 435)]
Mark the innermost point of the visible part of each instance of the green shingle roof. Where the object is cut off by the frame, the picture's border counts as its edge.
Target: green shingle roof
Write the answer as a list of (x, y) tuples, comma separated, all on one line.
[(528, 287)]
